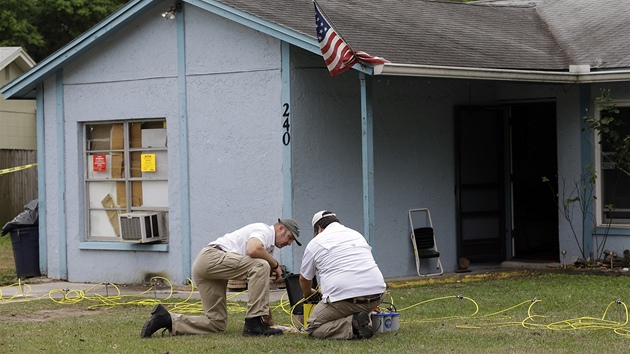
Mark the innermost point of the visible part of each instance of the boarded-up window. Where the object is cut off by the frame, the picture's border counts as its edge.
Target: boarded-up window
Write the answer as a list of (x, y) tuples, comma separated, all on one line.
[(126, 171)]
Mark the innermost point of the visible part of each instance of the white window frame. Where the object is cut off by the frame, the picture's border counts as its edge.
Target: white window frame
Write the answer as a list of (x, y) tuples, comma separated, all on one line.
[(98, 183), (599, 202)]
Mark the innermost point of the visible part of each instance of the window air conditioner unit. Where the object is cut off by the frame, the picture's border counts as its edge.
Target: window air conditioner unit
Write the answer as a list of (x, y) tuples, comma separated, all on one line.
[(142, 227)]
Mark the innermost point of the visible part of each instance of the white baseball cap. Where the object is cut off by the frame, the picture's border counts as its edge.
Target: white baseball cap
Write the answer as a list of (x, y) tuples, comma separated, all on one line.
[(320, 215)]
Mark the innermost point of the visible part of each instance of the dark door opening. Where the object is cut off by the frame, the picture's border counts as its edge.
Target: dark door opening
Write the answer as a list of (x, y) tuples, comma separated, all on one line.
[(504, 209), (480, 185), (534, 202)]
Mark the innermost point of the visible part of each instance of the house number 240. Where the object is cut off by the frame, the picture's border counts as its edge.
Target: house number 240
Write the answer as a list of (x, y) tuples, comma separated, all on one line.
[(286, 137)]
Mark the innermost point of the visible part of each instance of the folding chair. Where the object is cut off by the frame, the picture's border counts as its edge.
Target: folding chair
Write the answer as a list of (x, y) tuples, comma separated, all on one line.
[(423, 241)]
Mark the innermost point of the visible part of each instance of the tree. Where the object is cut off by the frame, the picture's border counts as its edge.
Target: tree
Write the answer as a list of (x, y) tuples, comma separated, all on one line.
[(576, 198), (17, 28), (610, 131), (41, 27), (580, 193)]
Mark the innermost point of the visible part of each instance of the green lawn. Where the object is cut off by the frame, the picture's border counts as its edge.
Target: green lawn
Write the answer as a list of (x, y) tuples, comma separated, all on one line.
[(506, 312), (7, 264)]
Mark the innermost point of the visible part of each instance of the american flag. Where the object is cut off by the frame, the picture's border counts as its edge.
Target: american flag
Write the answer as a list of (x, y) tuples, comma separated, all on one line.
[(338, 56)]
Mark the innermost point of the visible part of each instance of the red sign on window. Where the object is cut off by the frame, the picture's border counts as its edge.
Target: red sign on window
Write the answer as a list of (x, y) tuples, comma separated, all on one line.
[(100, 163)]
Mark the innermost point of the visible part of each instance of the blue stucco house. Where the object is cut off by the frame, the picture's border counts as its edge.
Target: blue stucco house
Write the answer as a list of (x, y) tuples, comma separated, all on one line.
[(158, 133)]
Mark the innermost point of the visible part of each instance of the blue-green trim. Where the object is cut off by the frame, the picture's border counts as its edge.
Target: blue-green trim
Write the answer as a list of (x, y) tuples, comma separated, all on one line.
[(183, 145), (61, 177), (123, 246), (586, 151), (602, 231), (41, 180), (367, 145), (287, 181)]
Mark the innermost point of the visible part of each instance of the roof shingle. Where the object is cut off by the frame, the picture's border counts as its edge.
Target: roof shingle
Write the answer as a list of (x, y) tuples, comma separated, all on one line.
[(503, 34)]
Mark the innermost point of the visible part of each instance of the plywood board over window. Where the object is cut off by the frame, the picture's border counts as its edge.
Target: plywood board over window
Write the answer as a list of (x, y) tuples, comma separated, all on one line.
[(108, 202)]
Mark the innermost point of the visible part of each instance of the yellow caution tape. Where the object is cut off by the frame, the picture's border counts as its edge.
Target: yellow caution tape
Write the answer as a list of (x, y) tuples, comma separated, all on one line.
[(13, 169)]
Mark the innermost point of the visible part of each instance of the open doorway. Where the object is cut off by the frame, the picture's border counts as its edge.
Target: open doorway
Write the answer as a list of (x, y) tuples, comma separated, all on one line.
[(504, 209), (534, 202)]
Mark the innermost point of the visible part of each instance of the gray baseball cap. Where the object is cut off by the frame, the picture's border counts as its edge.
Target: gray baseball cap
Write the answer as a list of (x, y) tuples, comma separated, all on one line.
[(292, 225)]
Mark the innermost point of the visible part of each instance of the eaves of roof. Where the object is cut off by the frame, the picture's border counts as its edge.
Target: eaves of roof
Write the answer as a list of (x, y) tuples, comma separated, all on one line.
[(361, 23), (296, 28), (451, 72), (454, 40), (15, 55)]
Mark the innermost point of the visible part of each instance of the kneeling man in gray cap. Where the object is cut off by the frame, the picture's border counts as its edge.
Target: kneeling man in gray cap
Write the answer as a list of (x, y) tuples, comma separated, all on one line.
[(245, 254)]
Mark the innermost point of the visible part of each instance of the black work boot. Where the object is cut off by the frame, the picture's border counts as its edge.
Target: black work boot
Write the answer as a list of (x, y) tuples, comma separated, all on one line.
[(255, 326), (361, 328), (160, 318)]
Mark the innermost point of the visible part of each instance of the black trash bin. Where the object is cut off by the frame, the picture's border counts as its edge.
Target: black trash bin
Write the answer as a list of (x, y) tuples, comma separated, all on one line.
[(25, 243)]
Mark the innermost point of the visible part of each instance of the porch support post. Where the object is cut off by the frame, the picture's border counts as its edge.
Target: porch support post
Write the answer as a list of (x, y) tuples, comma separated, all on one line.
[(286, 121), (41, 180), (586, 164), (367, 143), (184, 179), (61, 177)]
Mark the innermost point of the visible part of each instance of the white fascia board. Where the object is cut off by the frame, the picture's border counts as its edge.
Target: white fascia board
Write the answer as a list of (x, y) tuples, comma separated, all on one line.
[(24, 86), (604, 76), (500, 74), (8, 60), (476, 73), (24, 60), (20, 57)]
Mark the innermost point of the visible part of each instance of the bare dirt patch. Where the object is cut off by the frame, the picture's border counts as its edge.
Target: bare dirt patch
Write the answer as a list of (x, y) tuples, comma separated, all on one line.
[(48, 315)]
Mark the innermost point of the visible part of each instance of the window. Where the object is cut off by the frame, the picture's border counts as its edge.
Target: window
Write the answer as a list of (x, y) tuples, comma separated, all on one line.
[(613, 205), (126, 171)]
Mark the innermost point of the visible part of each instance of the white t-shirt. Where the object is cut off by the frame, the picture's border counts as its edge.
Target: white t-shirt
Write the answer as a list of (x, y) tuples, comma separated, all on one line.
[(344, 264), (236, 241)]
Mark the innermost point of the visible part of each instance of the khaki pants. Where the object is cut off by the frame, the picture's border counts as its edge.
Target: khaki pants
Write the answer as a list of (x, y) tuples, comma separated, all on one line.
[(211, 271), (334, 320)]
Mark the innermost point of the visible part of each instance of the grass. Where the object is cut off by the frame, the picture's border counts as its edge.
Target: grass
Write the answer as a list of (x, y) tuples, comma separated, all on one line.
[(463, 314), (7, 264)]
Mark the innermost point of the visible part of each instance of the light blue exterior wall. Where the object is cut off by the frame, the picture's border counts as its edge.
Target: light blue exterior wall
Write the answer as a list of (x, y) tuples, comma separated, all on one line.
[(414, 158), (236, 159), (133, 75), (49, 230), (327, 161), (234, 109), (235, 146)]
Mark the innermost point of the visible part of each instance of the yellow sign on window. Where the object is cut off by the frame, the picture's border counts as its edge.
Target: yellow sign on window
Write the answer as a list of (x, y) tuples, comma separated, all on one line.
[(148, 162)]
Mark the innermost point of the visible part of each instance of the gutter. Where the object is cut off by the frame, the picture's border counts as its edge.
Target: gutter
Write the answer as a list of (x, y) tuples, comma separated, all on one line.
[(576, 74)]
